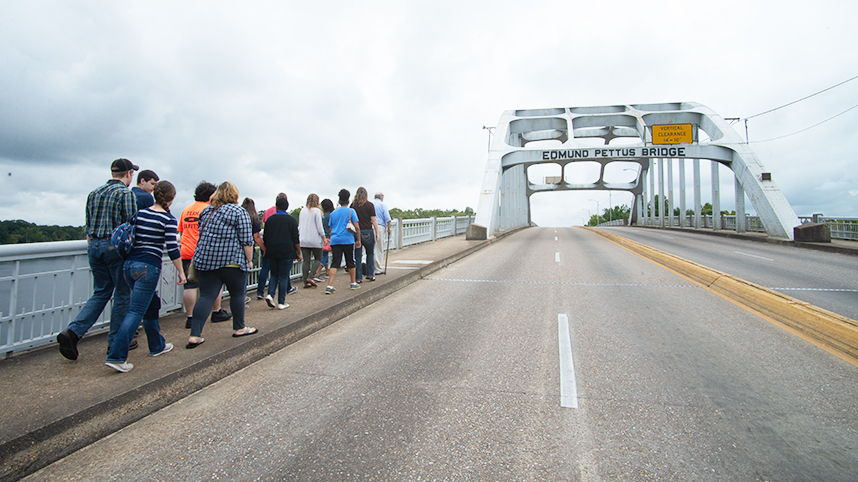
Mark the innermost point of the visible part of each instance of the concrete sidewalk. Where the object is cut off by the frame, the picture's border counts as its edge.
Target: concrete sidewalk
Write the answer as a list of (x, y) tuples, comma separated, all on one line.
[(53, 406)]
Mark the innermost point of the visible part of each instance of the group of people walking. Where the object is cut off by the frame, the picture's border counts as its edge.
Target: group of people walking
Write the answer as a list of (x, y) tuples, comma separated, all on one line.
[(212, 245)]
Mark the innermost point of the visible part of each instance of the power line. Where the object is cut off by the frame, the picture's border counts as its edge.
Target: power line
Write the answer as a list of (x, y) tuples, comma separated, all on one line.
[(807, 128), (803, 98)]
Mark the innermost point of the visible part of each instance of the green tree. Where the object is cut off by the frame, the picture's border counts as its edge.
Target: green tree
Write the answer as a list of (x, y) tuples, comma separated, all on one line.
[(666, 206), (19, 231)]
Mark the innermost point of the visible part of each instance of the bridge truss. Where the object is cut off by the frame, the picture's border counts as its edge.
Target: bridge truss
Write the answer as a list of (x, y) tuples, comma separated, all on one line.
[(505, 197)]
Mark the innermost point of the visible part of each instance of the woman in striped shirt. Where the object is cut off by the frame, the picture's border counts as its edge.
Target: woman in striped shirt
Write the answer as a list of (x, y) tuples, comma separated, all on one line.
[(154, 228)]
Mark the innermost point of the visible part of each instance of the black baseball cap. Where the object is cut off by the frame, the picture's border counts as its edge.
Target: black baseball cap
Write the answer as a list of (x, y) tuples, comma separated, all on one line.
[(123, 165)]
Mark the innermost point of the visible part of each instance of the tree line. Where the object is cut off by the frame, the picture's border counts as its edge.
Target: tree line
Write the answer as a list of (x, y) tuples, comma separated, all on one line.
[(623, 212), (19, 231), (428, 213)]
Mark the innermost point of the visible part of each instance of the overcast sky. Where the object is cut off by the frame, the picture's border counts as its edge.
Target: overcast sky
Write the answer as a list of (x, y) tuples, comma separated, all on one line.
[(305, 97)]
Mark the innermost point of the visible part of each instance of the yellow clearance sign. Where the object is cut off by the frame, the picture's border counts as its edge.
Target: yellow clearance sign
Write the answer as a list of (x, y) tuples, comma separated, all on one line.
[(672, 134)]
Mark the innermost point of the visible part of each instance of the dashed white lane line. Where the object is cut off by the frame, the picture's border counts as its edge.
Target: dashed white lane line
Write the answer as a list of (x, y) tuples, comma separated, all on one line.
[(557, 257), (555, 238), (568, 386), (753, 256)]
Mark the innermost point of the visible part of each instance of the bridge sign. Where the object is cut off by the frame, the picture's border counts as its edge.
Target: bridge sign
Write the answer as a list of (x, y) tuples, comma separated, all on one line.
[(672, 134)]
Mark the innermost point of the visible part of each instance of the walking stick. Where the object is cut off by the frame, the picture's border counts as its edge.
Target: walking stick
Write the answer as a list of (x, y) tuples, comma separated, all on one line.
[(387, 252)]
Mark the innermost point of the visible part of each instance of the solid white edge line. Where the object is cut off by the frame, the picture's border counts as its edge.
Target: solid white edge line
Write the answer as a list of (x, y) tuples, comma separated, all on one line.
[(568, 387), (557, 257)]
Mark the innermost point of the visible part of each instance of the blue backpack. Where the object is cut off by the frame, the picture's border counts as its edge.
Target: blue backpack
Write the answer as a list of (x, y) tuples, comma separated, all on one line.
[(122, 237)]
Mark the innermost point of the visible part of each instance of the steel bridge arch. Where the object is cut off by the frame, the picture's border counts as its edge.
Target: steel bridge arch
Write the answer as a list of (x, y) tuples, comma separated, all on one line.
[(505, 196)]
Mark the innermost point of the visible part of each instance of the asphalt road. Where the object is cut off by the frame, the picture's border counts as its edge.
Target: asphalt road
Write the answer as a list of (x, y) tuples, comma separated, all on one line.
[(458, 377), (827, 280)]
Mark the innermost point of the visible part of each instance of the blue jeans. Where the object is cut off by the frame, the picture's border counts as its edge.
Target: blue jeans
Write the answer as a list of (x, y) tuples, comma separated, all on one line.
[(367, 242), (281, 269), (143, 278), (107, 281), (263, 276)]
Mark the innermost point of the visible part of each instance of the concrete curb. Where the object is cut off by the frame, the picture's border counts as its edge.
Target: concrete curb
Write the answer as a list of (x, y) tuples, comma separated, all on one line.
[(836, 332), (27, 454)]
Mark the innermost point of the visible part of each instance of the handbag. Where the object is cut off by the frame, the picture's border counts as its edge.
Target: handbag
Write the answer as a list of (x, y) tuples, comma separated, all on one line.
[(193, 275), (327, 246)]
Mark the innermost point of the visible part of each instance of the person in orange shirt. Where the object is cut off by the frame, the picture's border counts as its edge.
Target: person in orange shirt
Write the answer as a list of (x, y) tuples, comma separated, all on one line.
[(189, 233)]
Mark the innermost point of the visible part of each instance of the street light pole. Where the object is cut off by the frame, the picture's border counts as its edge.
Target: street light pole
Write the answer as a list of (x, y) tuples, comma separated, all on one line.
[(610, 208), (597, 211), (636, 174), (489, 147)]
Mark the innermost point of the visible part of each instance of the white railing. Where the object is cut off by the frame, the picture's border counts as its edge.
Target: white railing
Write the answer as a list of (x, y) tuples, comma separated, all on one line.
[(841, 228), (43, 286)]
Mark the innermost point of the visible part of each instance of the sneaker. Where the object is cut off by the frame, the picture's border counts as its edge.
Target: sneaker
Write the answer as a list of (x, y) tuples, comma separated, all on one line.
[(120, 367), (329, 290), (292, 290), (167, 347), (270, 301), (67, 340), (188, 323), (318, 279), (282, 307), (354, 286), (221, 315), (260, 297)]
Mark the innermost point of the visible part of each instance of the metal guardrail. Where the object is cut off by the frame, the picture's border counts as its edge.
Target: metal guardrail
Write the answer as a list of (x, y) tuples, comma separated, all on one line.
[(841, 228), (43, 286)]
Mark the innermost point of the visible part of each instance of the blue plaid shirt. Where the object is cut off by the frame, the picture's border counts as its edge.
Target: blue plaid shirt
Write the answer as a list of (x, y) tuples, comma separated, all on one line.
[(107, 207), (224, 233)]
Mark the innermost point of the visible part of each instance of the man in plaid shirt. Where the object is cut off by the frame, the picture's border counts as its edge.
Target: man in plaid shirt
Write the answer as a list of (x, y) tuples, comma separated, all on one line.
[(106, 208)]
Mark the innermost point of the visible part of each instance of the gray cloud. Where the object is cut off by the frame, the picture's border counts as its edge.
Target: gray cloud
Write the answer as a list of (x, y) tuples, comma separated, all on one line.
[(311, 98)]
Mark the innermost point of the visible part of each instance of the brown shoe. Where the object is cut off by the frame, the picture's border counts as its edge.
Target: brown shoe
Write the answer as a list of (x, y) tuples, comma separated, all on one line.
[(308, 283)]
